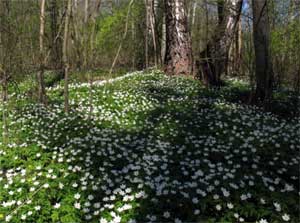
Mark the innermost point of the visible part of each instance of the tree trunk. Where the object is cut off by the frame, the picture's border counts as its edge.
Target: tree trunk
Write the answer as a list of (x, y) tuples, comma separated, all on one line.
[(263, 65), (152, 25), (214, 57), (133, 35), (239, 47), (163, 40), (86, 35), (65, 56), (235, 51), (40, 74), (178, 59), (86, 11), (92, 46), (56, 54), (194, 14), (4, 107), (5, 63), (147, 34)]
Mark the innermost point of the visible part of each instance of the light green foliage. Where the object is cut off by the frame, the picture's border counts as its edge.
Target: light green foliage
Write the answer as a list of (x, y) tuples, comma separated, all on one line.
[(285, 43), (111, 29)]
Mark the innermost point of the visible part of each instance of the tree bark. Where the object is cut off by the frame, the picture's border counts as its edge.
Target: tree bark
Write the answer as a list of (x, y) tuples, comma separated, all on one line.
[(146, 35), (178, 58), (5, 64), (4, 111), (235, 51), (92, 46), (195, 5), (65, 56), (163, 40), (56, 53), (214, 57), (152, 25), (86, 35), (40, 74), (263, 65), (86, 11), (133, 36)]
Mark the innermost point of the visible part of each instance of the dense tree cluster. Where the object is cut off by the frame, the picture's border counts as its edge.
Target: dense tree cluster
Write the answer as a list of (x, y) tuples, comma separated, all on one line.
[(204, 38)]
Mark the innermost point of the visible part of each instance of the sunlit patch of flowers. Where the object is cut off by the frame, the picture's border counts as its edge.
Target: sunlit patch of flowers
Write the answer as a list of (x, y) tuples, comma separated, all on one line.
[(149, 148)]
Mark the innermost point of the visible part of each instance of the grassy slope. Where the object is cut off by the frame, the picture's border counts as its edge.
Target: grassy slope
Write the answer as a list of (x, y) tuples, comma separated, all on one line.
[(155, 146)]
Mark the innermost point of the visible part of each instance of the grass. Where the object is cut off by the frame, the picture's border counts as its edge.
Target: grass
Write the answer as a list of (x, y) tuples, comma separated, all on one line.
[(155, 149)]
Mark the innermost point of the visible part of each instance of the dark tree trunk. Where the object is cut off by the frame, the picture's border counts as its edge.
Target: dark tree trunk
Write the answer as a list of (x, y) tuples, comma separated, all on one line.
[(4, 103), (263, 65), (5, 63), (56, 53), (214, 57), (178, 59), (235, 52)]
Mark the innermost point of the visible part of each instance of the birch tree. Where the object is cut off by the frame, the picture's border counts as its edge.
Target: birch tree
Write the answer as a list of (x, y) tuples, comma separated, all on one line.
[(40, 74), (152, 25), (147, 34), (65, 56), (178, 59)]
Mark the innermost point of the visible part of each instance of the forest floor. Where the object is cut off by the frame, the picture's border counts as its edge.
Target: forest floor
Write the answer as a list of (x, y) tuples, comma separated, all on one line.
[(151, 148)]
